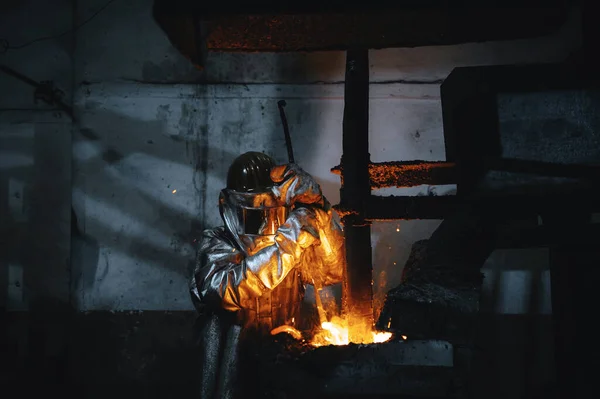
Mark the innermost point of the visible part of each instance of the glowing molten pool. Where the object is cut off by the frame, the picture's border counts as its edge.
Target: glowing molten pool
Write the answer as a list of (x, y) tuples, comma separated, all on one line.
[(340, 331)]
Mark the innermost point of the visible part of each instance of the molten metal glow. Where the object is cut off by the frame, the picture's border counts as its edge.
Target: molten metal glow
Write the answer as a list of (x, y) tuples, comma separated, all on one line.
[(287, 329), (340, 331)]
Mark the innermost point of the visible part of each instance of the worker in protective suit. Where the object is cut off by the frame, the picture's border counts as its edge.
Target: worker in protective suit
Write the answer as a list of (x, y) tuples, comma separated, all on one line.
[(279, 234)]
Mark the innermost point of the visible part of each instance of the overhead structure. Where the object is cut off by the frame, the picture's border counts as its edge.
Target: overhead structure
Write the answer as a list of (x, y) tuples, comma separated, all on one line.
[(196, 27)]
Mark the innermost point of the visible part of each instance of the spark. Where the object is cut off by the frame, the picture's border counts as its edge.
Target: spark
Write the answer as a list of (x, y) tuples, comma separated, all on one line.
[(174, 191)]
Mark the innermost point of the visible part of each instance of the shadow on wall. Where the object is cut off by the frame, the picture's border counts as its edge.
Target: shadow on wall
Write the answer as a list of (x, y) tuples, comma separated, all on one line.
[(16, 169), (34, 238), (35, 184), (85, 254), (120, 201), (111, 147), (146, 185)]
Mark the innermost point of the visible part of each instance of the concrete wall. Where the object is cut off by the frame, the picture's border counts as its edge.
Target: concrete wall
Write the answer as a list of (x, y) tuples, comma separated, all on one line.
[(150, 124), (35, 156)]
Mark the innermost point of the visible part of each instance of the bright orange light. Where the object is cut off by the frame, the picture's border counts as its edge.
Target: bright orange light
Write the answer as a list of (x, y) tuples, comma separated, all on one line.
[(340, 331)]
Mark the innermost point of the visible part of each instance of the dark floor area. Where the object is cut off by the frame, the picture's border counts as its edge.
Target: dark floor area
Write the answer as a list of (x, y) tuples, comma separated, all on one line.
[(152, 355), (102, 354)]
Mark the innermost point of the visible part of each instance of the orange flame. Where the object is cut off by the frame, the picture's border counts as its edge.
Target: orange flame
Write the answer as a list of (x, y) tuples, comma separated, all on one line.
[(342, 331)]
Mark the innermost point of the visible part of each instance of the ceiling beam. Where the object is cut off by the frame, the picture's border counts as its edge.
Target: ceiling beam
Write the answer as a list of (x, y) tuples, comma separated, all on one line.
[(194, 30)]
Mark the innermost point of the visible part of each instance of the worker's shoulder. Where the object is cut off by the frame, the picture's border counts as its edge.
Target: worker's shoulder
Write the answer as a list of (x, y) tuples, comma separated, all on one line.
[(214, 232), (217, 234)]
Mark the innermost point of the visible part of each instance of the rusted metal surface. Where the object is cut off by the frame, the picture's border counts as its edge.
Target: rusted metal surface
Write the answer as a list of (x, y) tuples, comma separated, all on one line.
[(392, 207), (382, 208), (381, 29), (358, 290), (408, 174), (195, 27)]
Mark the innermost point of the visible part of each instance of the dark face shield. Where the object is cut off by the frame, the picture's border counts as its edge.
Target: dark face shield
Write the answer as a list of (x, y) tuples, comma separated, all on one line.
[(252, 213), (262, 221)]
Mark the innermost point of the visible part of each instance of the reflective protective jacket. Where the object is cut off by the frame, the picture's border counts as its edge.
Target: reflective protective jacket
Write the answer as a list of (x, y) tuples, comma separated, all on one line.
[(262, 278)]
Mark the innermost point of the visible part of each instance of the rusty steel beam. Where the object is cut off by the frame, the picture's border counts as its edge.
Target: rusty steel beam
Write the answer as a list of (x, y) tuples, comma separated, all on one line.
[(330, 6), (195, 27), (355, 190), (383, 208), (408, 173), (382, 29), (415, 173), (386, 208)]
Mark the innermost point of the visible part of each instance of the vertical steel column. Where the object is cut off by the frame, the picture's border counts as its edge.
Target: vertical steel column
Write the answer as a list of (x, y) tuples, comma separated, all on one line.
[(356, 189)]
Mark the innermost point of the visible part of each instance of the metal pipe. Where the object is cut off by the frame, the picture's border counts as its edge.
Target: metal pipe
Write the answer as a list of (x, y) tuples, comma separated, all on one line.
[(286, 130), (356, 189)]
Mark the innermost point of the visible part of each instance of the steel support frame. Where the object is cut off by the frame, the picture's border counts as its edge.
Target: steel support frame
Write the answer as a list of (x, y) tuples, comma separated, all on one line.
[(356, 187)]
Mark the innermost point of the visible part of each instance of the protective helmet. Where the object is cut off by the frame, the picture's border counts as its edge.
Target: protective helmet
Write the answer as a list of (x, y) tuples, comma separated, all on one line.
[(248, 205), (250, 172)]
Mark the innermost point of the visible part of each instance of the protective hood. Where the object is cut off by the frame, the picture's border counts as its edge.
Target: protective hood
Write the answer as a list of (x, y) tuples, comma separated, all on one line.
[(251, 218)]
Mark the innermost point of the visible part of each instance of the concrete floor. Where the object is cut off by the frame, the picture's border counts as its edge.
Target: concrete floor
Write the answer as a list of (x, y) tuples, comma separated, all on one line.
[(152, 354)]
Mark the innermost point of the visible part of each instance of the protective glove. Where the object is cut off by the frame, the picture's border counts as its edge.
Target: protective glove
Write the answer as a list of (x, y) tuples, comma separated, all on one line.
[(326, 259), (299, 232), (293, 185), (227, 278), (292, 240)]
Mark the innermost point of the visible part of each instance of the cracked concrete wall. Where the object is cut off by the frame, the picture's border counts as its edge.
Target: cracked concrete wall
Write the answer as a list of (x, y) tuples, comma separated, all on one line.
[(155, 137)]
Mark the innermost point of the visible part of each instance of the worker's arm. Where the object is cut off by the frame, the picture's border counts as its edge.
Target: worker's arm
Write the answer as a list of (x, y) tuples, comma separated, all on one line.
[(331, 251), (224, 276), (324, 263)]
